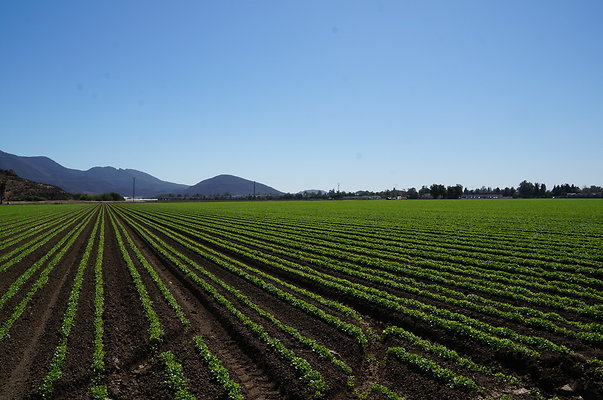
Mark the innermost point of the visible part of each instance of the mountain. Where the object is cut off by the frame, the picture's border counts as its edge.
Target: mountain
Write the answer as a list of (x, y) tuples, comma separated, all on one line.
[(15, 188), (230, 184), (93, 181), (146, 185), (98, 180)]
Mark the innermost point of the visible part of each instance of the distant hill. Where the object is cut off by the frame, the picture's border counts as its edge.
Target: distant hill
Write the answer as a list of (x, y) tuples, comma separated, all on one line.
[(229, 184), (93, 181), (146, 185), (99, 180), (15, 188)]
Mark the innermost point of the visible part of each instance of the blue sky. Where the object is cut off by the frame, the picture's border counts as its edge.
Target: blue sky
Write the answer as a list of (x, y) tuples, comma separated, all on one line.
[(306, 94)]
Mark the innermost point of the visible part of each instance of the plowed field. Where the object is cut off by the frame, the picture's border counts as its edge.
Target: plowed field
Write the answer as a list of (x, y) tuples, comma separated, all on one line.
[(486, 299)]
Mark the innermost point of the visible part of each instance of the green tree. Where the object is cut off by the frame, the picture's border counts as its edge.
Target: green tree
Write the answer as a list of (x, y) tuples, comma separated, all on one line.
[(116, 196), (454, 192), (509, 192), (437, 191), (526, 189)]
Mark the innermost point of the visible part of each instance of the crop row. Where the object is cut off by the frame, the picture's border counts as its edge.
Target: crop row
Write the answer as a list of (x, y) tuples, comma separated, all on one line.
[(155, 329), (419, 362), (35, 228), (60, 353), (432, 368), (10, 228), (98, 389), (167, 295), (215, 366), (17, 254), (538, 319), (60, 249), (239, 268), (535, 244), (484, 281), (466, 268), (173, 369), (404, 240), (300, 365), (472, 295), (441, 351), (450, 320), (175, 378)]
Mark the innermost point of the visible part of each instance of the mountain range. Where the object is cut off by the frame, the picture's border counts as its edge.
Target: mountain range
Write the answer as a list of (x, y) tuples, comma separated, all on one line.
[(109, 179)]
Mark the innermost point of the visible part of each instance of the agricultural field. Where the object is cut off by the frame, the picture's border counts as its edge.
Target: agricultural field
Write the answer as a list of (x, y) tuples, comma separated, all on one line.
[(416, 300)]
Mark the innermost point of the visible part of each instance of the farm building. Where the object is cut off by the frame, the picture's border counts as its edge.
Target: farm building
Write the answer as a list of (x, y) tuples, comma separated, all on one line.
[(482, 196)]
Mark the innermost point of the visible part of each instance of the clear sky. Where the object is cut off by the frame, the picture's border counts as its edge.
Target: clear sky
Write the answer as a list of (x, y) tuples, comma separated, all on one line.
[(306, 94)]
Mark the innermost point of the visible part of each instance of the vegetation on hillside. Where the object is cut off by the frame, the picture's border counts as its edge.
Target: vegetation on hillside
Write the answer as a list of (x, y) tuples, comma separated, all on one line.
[(15, 188)]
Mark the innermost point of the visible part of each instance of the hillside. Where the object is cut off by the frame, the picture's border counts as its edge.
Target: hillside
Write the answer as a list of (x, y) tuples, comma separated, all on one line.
[(93, 181), (15, 188), (231, 185), (99, 180), (121, 179)]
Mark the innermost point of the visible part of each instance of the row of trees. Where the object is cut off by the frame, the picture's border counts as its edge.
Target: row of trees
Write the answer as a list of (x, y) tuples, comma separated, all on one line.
[(79, 197), (530, 190), (437, 191), (98, 197), (217, 196)]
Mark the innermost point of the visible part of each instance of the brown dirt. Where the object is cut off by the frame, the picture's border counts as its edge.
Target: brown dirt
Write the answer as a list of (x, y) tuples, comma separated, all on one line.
[(28, 348)]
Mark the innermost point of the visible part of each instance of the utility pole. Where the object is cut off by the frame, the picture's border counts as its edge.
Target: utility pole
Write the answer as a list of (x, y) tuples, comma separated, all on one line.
[(254, 190), (133, 188)]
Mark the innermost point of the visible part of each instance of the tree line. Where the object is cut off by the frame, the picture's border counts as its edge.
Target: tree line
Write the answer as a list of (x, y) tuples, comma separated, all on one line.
[(438, 191), (435, 191), (98, 197)]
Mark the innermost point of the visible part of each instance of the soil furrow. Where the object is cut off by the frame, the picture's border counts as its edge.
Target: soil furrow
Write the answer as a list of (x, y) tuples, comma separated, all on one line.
[(236, 358), (31, 342)]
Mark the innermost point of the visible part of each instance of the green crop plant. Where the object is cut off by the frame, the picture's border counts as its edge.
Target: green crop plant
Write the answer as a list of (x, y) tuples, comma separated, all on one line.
[(56, 364), (42, 279), (175, 377), (433, 369), (98, 390), (301, 366), (19, 253), (59, 246), (218, 371), (381, 389), (155, 277), (239, 268), (155, 329)]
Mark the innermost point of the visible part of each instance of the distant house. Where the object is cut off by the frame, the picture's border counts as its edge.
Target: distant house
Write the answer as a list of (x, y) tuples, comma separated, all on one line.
[(583, 195), (482, 196)]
